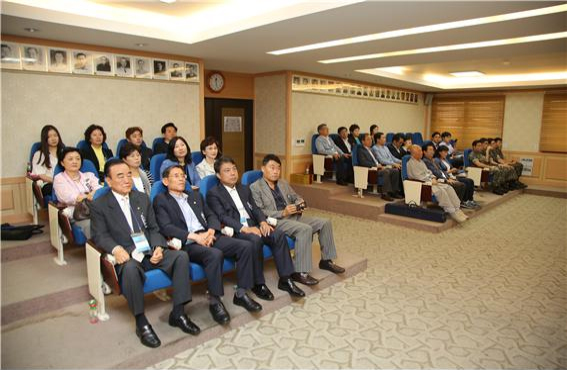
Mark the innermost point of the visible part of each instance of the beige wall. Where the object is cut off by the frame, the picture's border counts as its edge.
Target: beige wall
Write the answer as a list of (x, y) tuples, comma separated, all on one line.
[(522, 121), (71, 103), (309, 110), (270, 114)]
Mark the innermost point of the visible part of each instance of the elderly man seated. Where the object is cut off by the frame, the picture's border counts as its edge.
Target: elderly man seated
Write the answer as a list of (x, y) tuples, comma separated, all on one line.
[(326, 146), (445, 194)]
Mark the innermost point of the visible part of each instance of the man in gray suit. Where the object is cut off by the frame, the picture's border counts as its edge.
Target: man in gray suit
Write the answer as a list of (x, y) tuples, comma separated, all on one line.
[(277, 199), (123, 224), (326, 146)]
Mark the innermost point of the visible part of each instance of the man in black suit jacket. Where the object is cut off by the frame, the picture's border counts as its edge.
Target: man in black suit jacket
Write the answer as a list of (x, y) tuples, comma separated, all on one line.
[(396, 146), (344, 144), (121, 215), (185, 216), (234, 205)]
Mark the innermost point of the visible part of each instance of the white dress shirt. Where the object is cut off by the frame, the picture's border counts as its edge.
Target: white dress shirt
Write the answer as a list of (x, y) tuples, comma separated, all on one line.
[(347, 144), (124, 202), (239, 205)]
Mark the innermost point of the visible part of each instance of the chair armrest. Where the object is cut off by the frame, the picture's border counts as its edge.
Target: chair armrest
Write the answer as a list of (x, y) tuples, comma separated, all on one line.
[(108, 271)]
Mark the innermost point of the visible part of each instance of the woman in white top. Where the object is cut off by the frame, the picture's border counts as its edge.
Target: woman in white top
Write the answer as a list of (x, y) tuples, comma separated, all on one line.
[(210, 148), (45, 159), (132, 155)]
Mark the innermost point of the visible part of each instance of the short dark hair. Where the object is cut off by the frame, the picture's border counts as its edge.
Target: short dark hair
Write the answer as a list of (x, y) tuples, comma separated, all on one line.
[(435, 134), (65, 151), (427, 145), (342, 128), (483, 140), (475, 142), (273, 157), (408, 136), (210, 140), (498, 139), (445, 134), (128, 149), (353, 127), (372, 127), (222, 160), (171, 148), (83, 54), (131, 130), (167, 171), (91, 129), (321, 126), (397, 137), (441, 148), (169, 124), (489, 140), (111, 163), (377, 136)]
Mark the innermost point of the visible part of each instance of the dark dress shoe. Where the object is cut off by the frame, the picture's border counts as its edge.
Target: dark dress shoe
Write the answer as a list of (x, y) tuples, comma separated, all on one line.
[(289, 286), (262, 292), (398, 196), (387, 198), (219, 313), (148, 336), (248, 303), (304, 278), (184, 323), (342, 183), (330, 266)]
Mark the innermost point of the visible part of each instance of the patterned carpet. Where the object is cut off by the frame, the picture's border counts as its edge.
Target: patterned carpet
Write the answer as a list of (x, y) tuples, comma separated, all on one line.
[(489, 294)]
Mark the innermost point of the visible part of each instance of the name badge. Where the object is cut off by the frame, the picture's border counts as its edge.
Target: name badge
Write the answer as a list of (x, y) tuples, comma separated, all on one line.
[(141, 242)]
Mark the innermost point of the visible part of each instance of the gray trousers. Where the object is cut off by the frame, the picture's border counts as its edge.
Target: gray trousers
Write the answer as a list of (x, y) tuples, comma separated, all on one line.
[(446, 197), (302, 228)]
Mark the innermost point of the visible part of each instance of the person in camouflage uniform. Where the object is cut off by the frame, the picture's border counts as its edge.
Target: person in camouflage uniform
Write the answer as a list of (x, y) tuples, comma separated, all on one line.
[(503, 178), (496, 156)]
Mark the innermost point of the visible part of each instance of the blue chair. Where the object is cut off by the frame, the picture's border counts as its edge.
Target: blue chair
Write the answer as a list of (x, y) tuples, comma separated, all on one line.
[(155, 164), (158, 187), (34, 148), (389, 137), (197, 157), (354, 152), (124, 141), (466, 160), (417, 138), (207, 183), (157, 140), (249, 177), (426, 142), (313, 146), (334, 137)]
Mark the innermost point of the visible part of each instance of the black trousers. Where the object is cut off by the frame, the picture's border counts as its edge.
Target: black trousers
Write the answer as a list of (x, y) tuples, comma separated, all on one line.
[(343, 168), (392, 179), (131, 276), (212, 260), (469, 188), (459, 188), (278, 244)]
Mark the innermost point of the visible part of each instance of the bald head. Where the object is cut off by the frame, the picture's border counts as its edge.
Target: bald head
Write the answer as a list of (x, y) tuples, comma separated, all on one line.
[(416, 151)]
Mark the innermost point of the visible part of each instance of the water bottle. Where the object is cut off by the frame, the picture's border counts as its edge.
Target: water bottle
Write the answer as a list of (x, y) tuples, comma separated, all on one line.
[(29, 168), (93, 318), (307, 170)]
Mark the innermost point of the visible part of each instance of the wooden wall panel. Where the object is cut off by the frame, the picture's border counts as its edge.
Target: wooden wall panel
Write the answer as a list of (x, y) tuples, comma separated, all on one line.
[(237, 86), (556, 169), (554, 123)]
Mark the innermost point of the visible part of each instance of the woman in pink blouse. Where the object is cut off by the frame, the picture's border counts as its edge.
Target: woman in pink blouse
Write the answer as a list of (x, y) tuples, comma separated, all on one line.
[(72, 186)]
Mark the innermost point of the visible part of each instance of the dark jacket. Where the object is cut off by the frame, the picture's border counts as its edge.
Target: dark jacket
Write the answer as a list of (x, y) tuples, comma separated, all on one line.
[(434, 168), (366, 158), (89, 154), (147, 154), (221, 203), (341, 144), (171, 220), (398, 154), (161, 148)]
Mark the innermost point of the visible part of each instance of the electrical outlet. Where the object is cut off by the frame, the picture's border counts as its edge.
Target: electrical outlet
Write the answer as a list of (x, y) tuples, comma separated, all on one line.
[(299, 142)]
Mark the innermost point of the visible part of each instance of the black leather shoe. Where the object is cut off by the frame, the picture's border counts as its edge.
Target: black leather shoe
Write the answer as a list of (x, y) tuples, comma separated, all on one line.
[(342, 183), (262, 292), (184, 323), (148, 336), (387, 198), (219, 313), (304, 278), (248, 303), (397, 196), (330, 266), (289, 286)]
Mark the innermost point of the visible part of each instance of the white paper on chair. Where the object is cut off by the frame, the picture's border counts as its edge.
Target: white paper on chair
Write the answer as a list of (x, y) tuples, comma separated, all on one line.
[(412, 190), (360, 177), (318, 164)]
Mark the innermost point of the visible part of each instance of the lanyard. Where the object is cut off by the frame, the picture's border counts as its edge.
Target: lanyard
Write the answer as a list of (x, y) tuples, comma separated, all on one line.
[(74, 183)]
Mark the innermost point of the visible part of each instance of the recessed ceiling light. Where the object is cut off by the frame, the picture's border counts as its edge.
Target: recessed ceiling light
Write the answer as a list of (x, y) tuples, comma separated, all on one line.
[(141, 45), (168, 1), (437, 49), (467, 74), (425, 29), (31, 29)]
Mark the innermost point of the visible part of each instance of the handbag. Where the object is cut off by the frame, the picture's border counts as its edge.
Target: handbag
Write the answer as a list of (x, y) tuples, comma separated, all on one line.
[(22, 232), (82, 210)]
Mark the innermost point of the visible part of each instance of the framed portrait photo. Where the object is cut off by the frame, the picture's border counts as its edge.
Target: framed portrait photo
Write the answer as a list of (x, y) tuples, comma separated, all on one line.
[(33, 58), (10, 55), (103, 64), (82, 62), (142, 67), (123, 66), (58, 60), (191, 72), (176, 70), (160, 69)]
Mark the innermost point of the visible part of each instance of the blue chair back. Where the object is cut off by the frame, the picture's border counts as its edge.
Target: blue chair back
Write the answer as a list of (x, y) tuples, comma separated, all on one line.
[(155, 164), (417, 138), (313, 146), (426, 142), (207, 183), (100, 192), (250, 177), (334, 137), (405, 160), (158, 187), (354, 153), (157, 140), (197, 157), (121, 144), (389, 137), (34, 148), (83, 145), (466, 153)]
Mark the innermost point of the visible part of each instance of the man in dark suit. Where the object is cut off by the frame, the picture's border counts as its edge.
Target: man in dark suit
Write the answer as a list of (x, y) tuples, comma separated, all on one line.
[(124, 225), (396, 147), (342, 141), (234, 205), (185, 216), (459, 187)]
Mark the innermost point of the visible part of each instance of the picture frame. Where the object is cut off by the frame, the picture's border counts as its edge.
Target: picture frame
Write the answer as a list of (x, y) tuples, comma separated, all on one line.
[(82, 62), (123, 66), (192, 72), (58, 60), (142, 67), (103, 64), (159, 69), (10, 57), (33, 58), (176, 70)]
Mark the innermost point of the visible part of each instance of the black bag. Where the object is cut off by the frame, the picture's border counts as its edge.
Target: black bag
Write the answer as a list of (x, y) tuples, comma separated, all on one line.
[(23, 232), (82, 210)]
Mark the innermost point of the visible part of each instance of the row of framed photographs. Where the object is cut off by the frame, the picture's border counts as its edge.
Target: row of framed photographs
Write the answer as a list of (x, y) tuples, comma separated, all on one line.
[(323, 86), (59, 60)]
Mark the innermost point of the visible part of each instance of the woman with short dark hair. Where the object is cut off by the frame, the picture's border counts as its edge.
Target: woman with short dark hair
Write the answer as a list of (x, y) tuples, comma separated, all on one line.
[(211, 150), (132, 156), (95, 151)]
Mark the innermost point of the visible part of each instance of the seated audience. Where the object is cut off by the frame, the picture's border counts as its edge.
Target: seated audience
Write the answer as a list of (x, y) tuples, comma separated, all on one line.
[(235, 207), (497, 156), (95, 151), (179, 152), (210, 148), (184, 215), (436, 139), (441, 158), (374, 129), (454, 156), (169, 131), (392, 185), (407, 143), (132, 156), (326, 146), (354, 133), (135, 135), (277, 199), (383, 154), (124, 225), (45, 159), (445, 194), (343, 140), (396, 147), (73, 186), (503, 178)]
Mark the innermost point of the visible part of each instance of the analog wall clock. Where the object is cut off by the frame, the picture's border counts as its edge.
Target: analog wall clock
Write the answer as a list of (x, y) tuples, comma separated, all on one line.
[(216, 82)]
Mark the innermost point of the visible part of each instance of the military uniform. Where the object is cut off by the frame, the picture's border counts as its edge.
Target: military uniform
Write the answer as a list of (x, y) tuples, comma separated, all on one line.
[(500, 175), (497, 154)]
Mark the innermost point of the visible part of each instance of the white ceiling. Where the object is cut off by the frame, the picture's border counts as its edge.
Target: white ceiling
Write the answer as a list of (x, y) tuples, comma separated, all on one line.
[(245, 50)]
